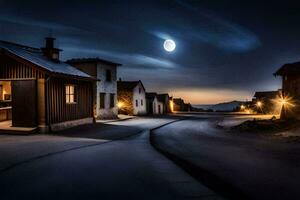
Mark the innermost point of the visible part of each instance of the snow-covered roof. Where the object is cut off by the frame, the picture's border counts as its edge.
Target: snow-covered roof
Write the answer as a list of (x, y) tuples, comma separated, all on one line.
[(35, 56)]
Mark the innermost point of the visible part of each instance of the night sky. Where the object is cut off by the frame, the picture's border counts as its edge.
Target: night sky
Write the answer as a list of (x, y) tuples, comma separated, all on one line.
[(226, 50)]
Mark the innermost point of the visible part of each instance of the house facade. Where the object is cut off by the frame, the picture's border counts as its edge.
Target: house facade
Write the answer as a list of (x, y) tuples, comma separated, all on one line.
[(131, 98), (165, 100), (154, 105), (267, 101), (41, 92), (290, 74), (180, 105), (106, 86)]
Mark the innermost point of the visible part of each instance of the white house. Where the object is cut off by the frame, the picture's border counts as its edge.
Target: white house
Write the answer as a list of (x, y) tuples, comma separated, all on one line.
[(154, 105), (105, 106), (132, 98)]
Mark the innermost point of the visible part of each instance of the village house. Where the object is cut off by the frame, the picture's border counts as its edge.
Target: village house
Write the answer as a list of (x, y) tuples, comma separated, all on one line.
[(106, 86), (154, 106), (131, 98), (290, 74), (165, 99), (39, 92), (266, 102), (180, 105)]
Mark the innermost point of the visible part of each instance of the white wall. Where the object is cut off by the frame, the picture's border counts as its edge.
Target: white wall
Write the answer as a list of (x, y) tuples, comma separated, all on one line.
[(156, 104), (106, 87), (139, 96)]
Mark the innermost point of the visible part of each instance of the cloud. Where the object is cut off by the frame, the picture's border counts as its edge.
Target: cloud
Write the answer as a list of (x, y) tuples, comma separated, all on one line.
[(134, 59), (208, 28)]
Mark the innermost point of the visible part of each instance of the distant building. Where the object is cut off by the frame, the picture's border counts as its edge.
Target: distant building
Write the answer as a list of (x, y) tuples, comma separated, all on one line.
[(106, 86), (132, 98), (290, 74), (266, 102), (180, 105), (165, 99), (41, 92), (154, 106)]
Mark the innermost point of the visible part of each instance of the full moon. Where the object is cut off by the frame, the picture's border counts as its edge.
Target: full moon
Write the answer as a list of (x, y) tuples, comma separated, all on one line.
[(169, 45)]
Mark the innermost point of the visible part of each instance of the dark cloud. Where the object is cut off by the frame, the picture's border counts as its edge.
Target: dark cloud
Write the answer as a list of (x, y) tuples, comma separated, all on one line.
[(221, 45)]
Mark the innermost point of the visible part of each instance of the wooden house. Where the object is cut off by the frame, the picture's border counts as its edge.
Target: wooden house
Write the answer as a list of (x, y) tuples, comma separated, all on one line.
[(290, 74), (40, 91), (105, 88), (131, 98)]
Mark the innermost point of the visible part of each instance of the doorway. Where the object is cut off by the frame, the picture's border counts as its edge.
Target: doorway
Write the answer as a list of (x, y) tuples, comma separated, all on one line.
[(23, 103)]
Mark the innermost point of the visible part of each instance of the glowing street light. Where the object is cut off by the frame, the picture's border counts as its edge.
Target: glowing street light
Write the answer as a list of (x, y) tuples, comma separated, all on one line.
[(259, 104), (243, 107), (120, 104)]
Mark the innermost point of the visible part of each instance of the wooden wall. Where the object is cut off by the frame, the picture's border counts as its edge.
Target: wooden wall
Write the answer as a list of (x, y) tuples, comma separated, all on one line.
[(11, 69), (57, 108)]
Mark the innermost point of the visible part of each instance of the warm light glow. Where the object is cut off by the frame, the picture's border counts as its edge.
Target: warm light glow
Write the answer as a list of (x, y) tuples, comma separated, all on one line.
[(259, 104), (120, 104), (171, 106), (242, 107), (285, 101), (248, 111)]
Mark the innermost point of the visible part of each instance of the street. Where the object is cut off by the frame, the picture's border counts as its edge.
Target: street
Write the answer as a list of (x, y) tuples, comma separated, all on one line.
[(190, 157), (237, 166), (103, 161)]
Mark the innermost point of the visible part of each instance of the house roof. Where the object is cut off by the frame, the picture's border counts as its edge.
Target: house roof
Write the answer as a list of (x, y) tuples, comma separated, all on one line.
[(92, 60), (162, 97), (266, 94), (290, 68), (151, 95), (36, 57), (178, 101), (128, 85)]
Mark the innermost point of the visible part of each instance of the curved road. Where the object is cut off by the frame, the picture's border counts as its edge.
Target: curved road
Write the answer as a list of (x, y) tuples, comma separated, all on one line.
[(238, 166), (92, 162)]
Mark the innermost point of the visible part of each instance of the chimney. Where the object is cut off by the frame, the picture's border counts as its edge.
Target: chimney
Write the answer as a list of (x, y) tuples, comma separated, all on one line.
[(49, 42), (49, 51)]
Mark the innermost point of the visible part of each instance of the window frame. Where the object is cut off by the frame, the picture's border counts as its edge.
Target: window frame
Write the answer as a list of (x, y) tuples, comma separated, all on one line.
[(69, 94), (136, 103)]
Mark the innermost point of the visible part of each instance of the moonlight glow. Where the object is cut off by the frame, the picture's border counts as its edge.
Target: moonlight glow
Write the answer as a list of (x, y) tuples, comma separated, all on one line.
[(169, 45)]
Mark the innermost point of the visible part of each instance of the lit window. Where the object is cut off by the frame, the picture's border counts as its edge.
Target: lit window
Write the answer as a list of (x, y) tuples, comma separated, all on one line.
[(70, 94)]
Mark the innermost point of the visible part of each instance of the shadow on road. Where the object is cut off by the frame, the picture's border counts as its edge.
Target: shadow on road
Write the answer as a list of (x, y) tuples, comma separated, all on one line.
[(100, 131)]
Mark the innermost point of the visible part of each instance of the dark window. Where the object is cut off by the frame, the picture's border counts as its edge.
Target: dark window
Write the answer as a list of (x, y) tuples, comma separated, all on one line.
[(140, 90), (1, 92), (102, 100), (142, 102), (108, 75), (112, 100), (136, 103), (70, 94)]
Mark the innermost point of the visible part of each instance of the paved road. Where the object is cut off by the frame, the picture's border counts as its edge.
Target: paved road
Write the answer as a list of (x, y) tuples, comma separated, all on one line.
[(238, 166), (91, 162)]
